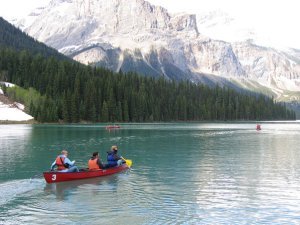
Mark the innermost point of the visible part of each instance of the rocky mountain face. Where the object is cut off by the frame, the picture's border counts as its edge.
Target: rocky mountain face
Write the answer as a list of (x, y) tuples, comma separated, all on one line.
[(133, 35)]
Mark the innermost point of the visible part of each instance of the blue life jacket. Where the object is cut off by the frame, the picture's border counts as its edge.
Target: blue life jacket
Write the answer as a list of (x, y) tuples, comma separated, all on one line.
[(111, 159)]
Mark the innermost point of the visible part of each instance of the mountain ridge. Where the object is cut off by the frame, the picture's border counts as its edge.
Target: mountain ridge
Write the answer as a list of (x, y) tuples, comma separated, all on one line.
[(111, 34)]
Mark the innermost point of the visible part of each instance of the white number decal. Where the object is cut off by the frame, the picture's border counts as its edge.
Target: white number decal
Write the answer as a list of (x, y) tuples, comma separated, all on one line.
[(53, 176)]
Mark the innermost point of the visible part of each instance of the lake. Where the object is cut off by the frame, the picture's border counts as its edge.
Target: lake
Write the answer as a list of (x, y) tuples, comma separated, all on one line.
[(182, 173)]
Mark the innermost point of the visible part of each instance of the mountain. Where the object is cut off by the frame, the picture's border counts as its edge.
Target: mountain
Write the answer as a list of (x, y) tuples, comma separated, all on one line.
[(219, 25), (134, 35)]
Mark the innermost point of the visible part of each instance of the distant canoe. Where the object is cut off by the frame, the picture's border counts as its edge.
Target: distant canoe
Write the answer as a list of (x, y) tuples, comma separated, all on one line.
[(112, 127), (258, 127)]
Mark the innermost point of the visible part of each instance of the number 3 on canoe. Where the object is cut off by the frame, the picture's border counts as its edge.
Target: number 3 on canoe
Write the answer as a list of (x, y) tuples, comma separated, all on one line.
[(53, 176)]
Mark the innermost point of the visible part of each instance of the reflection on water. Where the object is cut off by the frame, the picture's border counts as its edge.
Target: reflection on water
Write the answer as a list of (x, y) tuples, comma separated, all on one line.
[(182, 174)]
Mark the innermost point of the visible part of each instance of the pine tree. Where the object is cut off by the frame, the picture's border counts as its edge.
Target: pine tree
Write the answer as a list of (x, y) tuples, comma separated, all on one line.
[(125, 112), (104, 113)]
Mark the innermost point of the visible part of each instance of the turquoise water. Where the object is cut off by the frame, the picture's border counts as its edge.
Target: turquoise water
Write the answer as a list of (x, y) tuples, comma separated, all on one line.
[(183, 173)]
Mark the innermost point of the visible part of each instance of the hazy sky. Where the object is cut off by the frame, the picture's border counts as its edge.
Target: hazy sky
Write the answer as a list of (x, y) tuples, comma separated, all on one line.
[(278, 18), (18, 8)]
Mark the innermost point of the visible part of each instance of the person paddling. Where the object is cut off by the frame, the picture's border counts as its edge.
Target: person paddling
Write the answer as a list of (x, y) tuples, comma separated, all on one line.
[(113, 159), (63, 163), (95, 163)]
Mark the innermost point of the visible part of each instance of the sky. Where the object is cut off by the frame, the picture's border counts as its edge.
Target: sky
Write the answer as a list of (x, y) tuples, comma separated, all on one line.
[(276, 19)]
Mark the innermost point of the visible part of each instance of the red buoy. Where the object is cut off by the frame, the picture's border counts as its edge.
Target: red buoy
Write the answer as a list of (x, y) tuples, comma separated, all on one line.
[(258, 127)]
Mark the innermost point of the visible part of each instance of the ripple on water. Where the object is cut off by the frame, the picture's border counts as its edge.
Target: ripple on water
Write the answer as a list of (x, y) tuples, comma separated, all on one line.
[(84, 199), (12, 189)]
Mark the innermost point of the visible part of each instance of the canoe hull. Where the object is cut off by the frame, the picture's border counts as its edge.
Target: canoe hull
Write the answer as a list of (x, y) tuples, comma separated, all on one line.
[(113, 127), (54, 176)]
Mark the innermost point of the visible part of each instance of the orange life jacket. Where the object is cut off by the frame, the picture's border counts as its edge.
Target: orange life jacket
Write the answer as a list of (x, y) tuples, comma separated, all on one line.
[(93, 165), (60, 163)]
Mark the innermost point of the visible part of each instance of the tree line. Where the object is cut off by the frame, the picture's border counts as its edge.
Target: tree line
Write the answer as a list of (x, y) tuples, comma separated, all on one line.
[(63, 90)]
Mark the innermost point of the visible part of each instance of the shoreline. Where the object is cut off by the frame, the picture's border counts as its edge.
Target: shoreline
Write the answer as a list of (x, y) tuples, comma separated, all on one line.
[(8, 122), (4, 122)]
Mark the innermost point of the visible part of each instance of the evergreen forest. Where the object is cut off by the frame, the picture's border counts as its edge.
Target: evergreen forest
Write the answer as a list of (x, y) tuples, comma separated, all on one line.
[(54, 89)]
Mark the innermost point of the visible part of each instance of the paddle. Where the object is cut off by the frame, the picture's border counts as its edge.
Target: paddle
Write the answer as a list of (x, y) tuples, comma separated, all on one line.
[(128, 161)]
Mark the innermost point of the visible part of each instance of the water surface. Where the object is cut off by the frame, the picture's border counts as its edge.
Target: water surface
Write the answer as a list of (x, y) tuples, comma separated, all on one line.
[(186, 173)]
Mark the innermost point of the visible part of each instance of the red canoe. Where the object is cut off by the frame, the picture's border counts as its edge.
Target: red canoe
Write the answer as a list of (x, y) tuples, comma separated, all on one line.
[(113, 127), (54, 176)]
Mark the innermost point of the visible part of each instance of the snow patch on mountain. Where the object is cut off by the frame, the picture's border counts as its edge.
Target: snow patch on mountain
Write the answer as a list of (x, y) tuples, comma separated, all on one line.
[(12, 111)]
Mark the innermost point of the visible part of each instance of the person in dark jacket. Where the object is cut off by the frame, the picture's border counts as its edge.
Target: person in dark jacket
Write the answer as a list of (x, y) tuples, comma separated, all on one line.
[(95, 163), (113, 159)]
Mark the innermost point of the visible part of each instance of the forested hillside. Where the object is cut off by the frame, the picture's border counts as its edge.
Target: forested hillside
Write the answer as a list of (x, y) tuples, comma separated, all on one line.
[(73, 92), (14, 38)]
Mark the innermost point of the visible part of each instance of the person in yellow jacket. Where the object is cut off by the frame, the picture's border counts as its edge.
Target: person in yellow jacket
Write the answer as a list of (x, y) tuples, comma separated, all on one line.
[(95, 163)]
